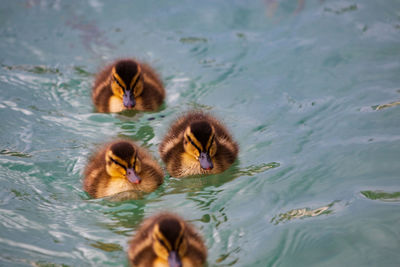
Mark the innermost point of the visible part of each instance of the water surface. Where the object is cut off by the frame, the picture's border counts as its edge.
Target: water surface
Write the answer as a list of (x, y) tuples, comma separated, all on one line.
[(309, 89)]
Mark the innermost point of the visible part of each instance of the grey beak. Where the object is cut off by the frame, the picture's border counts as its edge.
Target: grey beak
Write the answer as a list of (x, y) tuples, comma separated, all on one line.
[(128, 99), (174, 260), (132, 176), (205, 161)]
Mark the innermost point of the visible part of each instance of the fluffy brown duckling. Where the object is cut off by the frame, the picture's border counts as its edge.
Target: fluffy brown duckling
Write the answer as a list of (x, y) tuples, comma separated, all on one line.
[(197, 143), (121, 166), (166, 240), (127, 84)]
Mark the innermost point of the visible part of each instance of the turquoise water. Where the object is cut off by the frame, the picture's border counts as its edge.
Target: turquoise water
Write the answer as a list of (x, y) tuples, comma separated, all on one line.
[(309, 92)]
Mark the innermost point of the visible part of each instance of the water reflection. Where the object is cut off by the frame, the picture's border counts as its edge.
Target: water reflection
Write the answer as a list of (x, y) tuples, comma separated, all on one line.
[(382, 195), (200, 183), (14, 153), (302, 213), (389, 105), (192, 40), (256, 169), (80, 70), (107, 247), (123, 216), (32, 69), (47, 264), (339, 11), (221, 258)]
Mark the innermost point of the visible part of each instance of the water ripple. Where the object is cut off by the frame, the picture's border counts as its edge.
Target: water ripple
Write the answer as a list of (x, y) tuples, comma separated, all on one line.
[(36, 249)]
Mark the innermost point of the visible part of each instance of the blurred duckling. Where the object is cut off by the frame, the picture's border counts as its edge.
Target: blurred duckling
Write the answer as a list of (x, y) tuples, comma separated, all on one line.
[(121, 166), (166, 240), (127, 84), (197, 143)]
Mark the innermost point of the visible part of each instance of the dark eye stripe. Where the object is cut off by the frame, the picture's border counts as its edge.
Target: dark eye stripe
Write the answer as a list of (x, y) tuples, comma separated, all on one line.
[(190, 140), (116, 162)]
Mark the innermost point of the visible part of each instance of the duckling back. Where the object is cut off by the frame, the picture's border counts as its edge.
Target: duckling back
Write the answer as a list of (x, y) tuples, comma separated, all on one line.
[(179, 163), (121, 166)]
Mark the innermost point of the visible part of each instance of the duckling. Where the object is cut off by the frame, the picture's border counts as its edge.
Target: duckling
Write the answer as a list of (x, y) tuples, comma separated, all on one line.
[(121, 166), (127, 84), (166, 240), (197, 143)]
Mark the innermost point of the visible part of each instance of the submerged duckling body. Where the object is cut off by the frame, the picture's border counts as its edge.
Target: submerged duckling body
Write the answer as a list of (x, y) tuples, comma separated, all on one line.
[(197, 143), (121, 166), (127, 84), (166, 240)]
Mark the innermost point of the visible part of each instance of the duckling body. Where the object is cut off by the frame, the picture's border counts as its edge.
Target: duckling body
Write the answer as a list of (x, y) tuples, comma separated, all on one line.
[(166, 240), (121, 166), (127, 84), (197, 143)]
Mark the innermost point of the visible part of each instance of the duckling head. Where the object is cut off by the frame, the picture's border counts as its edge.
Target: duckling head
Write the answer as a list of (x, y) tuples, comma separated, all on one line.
[(199, 142), (122, 161), (169, 241), (127, 82)]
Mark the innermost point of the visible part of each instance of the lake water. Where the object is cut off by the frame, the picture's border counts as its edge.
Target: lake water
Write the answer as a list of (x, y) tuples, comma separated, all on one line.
[(309, 89)]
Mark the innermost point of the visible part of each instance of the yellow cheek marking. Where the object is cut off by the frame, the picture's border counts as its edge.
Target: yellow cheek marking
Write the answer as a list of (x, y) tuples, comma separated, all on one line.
[(115, 104), (116, 90), (160, 263), (190, 165), (117, 185)]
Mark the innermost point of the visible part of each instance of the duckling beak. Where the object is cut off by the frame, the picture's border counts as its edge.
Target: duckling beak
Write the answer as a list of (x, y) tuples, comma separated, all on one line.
[(174, 260), (205, 161), (132, 176), (128, 99)]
